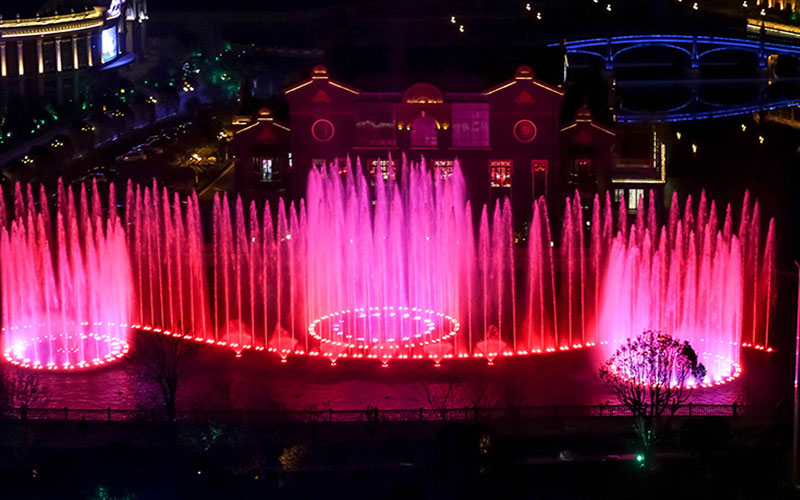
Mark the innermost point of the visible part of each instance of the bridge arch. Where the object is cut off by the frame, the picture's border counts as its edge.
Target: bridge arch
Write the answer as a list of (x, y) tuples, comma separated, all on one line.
[(652, 44), (730, 48)]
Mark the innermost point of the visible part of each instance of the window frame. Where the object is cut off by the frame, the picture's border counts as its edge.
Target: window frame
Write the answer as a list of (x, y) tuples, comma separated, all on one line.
[(435, 135), (507, 164), (460, 108)]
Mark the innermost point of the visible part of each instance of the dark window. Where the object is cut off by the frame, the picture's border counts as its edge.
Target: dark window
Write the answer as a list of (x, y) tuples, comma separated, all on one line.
[(424, 132), (470, 124)]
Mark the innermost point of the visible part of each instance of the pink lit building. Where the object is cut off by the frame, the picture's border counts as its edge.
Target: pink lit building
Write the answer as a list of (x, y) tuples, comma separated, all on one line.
[(510, 139)]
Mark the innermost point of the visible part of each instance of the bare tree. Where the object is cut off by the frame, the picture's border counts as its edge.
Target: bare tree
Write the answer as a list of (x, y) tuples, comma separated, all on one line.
[(442, 393), (652, 375), (481, 391), (21, 388), (163, 361)]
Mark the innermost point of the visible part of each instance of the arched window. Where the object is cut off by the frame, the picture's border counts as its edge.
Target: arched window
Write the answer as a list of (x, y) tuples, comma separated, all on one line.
[(424, 133)]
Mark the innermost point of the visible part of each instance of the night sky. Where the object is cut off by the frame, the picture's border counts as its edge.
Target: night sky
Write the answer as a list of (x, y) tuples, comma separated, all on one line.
[(9, 8)]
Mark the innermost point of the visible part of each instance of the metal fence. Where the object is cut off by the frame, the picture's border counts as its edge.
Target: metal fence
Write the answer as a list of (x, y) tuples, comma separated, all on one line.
[(377, 415)]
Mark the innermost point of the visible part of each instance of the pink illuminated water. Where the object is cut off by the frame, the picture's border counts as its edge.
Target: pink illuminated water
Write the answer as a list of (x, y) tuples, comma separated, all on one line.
[(692, 278), (399, 265), (65, 281), (394, 266), (165, 241)]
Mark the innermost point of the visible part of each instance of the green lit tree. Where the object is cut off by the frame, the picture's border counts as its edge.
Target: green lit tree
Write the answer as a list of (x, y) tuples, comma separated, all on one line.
[(652, 375)]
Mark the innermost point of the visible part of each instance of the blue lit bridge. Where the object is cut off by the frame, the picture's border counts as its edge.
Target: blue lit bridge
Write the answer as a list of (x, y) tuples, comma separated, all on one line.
[(696, 47)]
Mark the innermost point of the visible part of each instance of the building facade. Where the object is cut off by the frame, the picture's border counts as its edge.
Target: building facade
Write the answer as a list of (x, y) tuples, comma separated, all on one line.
[(47, 55), (509, 140)]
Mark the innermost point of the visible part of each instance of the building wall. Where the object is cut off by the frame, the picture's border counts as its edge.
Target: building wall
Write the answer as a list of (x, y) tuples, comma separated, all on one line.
[(523, 132), (423, 105)]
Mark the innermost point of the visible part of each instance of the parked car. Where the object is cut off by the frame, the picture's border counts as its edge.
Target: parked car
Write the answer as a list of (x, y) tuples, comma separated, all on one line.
[(133, 156)]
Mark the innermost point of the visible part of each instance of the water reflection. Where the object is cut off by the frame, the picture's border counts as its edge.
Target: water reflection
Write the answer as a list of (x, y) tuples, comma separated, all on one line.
[(643, 101), (220, 381)]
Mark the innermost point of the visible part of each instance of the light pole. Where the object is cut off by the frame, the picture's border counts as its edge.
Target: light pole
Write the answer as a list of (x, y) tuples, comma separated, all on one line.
[(796, 395)]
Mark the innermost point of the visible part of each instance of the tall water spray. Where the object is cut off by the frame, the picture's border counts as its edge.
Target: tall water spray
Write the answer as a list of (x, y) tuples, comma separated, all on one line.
[(65, 281), (693, 280), (400, 265), (388, 266), (165, 241)]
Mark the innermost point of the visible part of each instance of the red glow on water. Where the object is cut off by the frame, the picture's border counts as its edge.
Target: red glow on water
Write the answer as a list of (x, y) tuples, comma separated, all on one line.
[(65, 281)]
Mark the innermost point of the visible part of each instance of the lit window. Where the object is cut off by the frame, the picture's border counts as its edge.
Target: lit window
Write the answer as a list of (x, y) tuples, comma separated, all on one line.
[(470, 125), (375, 124), (387, 168), (619, 194), (539, 177), (633, 198), (265, 169), (500, 173), (424, 133), (342, 164), (444, 167)]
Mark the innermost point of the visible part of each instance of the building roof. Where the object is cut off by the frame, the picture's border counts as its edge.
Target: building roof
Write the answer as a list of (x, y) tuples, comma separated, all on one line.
[(319, 74), (30, 8), (525, 74), (584, 117)]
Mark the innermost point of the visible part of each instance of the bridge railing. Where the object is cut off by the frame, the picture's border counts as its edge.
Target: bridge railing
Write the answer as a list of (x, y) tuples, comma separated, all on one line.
[(471, 413)]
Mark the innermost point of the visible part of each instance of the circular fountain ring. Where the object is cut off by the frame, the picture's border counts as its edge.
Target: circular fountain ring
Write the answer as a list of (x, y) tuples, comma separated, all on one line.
[(385, 329), (732, 371), (67, 351)]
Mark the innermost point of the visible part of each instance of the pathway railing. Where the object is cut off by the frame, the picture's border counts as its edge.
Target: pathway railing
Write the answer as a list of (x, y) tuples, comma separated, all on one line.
[(472, 413)]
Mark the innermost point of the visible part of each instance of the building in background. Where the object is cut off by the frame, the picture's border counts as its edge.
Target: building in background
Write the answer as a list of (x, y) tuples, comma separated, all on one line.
[(509, 139), (47, 53)]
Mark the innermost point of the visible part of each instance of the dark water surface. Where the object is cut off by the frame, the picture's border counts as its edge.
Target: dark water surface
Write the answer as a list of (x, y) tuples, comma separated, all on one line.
[(219, 381)]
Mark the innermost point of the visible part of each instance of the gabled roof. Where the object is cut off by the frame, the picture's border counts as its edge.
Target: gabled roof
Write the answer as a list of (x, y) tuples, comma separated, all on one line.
[(320, 75), (264, 116), (584, 116), (524, 75)]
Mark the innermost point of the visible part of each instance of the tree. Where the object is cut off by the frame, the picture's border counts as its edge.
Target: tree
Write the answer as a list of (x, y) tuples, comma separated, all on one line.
[(443, 393), (652, 375), (163, 360), (20, 388), (198, 160)]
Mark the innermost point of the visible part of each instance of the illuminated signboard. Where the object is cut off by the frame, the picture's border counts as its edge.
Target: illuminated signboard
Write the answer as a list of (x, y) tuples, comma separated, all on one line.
[(114, 10), (109, 44)]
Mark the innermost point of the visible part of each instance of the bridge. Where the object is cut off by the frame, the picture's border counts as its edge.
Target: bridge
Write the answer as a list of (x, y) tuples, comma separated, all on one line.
[(694, 46), (699, 109)]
